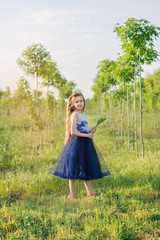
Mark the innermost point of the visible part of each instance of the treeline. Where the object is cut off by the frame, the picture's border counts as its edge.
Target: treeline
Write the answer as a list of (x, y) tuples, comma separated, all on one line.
[(120, 93), (120, 86)]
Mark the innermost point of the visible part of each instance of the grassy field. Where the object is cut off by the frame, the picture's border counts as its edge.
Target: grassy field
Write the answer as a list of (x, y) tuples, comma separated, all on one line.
[(34, 204)]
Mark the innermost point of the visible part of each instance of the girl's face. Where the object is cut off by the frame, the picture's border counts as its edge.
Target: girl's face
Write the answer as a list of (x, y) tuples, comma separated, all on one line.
[(79, 103)]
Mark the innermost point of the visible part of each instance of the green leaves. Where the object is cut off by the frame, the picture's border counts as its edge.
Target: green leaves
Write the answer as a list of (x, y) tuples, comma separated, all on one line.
[(137, 37), (100, 120), (33, 59)]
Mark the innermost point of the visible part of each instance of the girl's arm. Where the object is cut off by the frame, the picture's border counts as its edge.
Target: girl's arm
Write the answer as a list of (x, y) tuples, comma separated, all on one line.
[(74, 119)]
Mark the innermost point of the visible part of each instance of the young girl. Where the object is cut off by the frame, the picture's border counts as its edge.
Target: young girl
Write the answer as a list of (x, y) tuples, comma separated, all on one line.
[(79, 159)]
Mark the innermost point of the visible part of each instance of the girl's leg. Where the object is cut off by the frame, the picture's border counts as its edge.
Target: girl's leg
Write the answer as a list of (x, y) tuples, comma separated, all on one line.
[(88, 187), (71, 186)]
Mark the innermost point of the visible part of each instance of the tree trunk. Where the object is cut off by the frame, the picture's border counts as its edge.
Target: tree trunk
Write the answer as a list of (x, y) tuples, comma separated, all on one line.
[(133, 130), (100, 105), (37, 94), (48, 116), (112, 120), (122, 116), (157, 119), (41, 139), (119, 110), (38, 110), (35, 141), (135, 113), (141, 133), (107, 116), (154, 118), (128, 120), (110, 112)]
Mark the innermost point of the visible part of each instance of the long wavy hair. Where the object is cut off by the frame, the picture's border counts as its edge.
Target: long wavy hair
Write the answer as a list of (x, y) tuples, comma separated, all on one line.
[(69, 110)]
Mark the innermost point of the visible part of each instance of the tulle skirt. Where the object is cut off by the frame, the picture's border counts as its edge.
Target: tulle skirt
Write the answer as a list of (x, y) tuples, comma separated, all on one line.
[(80, 160)]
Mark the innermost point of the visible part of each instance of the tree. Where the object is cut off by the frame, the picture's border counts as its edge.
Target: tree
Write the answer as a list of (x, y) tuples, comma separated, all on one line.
[(137, 37), (33, 62), (105, 83), (22, 95)]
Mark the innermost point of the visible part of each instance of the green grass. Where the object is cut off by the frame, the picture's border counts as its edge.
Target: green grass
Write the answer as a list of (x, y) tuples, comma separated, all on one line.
[(34, 203)]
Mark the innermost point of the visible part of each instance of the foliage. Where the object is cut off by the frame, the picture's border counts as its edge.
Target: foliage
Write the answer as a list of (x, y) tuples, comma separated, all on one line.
[(152, 90), (104, 81), (137, 36), (100, 120), (67, 89), (33, 60)]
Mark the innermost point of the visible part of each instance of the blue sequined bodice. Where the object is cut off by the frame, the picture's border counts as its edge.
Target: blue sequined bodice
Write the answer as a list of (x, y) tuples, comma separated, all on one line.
[(82, 124)]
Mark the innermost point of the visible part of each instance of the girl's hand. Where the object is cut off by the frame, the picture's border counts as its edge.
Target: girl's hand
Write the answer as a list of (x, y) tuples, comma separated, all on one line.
[(90, 135), (93, 130)]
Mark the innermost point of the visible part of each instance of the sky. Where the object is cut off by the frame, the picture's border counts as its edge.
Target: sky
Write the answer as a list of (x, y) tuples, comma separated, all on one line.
[(77, 33)]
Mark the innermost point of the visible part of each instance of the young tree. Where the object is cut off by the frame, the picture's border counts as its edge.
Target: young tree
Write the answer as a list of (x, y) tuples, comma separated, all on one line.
[(33, 62), (105, 83), (137, 37), (22, 95)]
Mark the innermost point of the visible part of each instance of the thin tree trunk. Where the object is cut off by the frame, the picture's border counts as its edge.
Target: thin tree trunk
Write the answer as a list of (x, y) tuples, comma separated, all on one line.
[(38, 109), (41, 139), (37, 95), (100, 105), (119, 109), (53, 127), (113, 120), (135, 114), (122, 122), (35, 140), (141, 133), (128, 120), (110, 112), (154, 118), (133, 130), (47, 114), (157, 119), (122, 116), (158, 115), (107, 117)]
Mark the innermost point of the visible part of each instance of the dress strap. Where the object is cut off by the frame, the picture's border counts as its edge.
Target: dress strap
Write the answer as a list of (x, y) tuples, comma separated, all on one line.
[(81, 116)]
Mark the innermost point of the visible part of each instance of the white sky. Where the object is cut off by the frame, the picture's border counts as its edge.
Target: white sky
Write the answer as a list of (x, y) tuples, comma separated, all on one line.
[(77, 33)]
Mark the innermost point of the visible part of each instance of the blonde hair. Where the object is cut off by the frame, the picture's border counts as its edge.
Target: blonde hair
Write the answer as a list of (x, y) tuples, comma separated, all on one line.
[(69, 110)]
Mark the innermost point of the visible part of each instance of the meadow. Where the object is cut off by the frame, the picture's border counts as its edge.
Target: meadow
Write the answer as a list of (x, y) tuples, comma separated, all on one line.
[(34, 204)]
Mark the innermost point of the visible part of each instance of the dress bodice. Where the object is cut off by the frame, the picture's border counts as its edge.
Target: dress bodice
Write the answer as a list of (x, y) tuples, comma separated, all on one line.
[(82, 124)]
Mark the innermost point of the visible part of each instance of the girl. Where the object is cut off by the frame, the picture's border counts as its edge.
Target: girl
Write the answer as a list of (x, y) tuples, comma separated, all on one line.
[(79, 159)]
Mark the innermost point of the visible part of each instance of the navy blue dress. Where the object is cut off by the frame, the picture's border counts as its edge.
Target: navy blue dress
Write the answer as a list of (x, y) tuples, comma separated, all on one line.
[(79, 158)]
